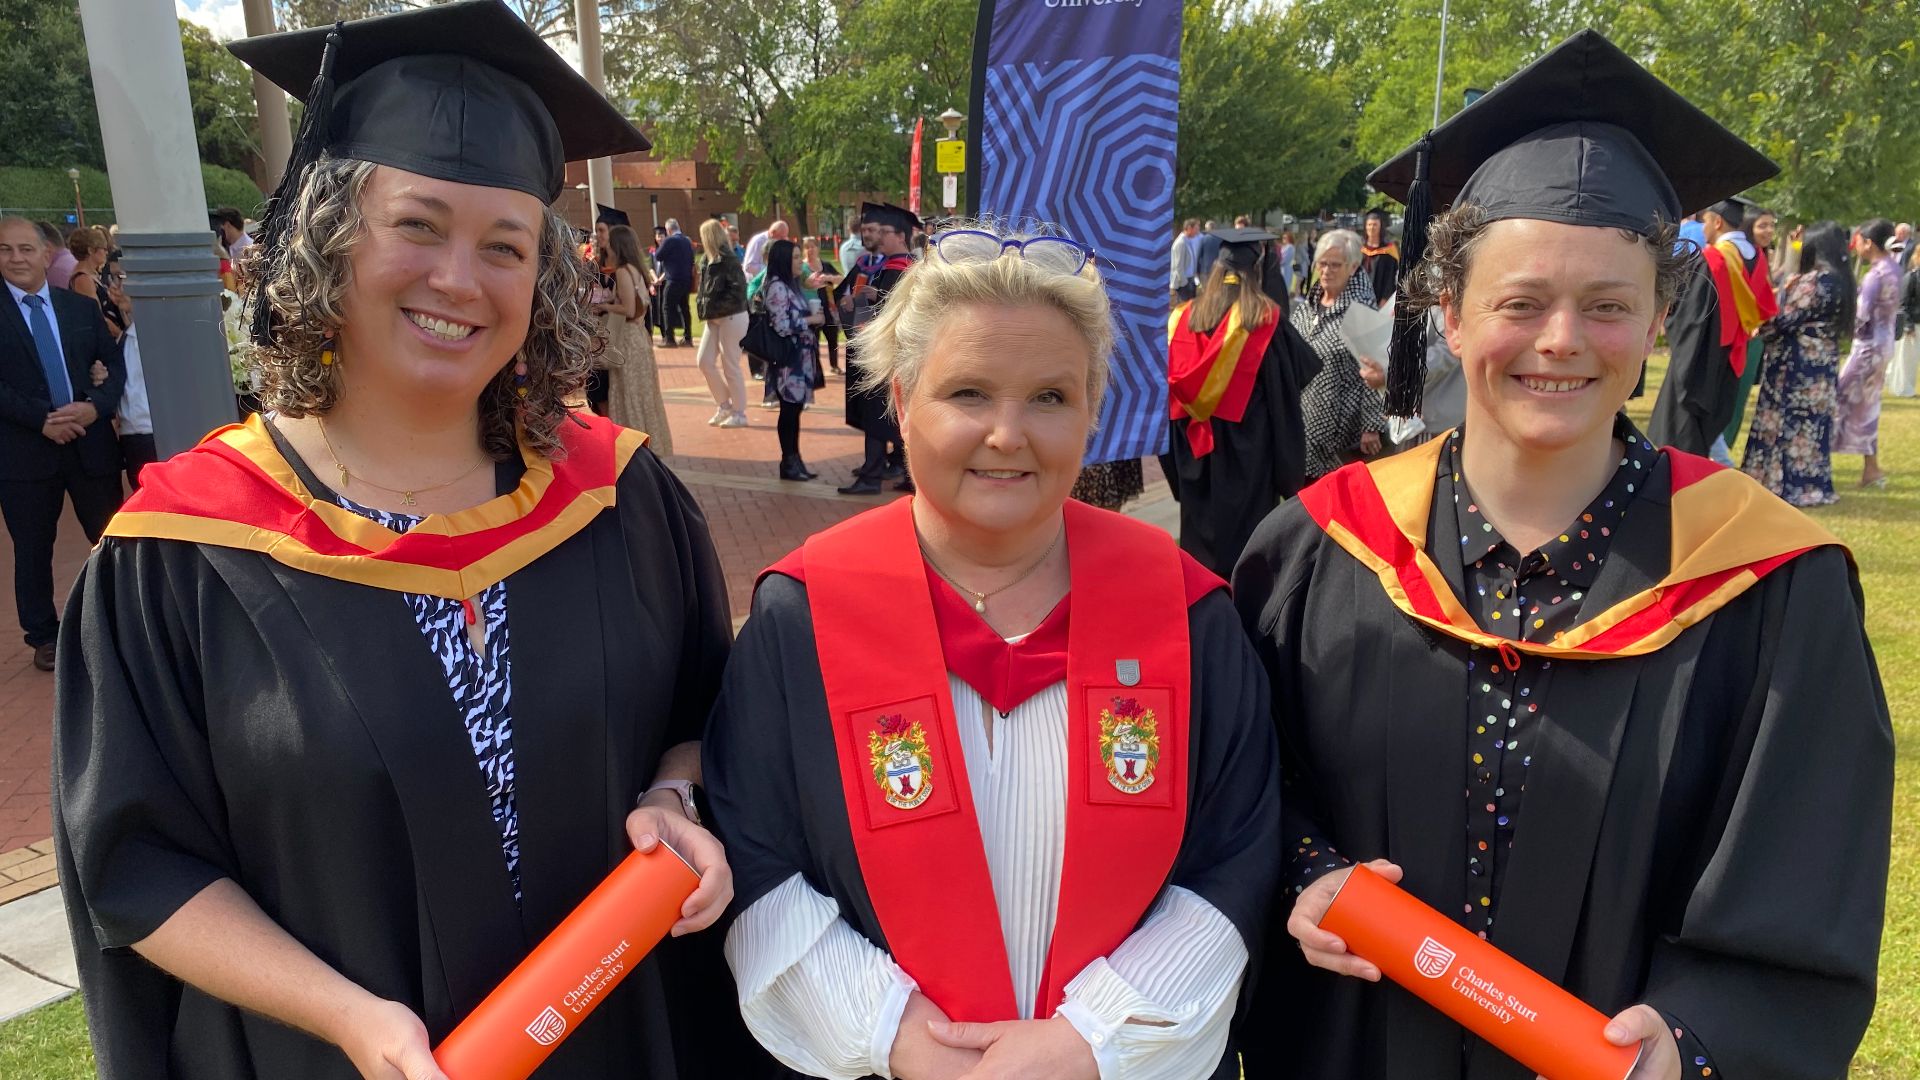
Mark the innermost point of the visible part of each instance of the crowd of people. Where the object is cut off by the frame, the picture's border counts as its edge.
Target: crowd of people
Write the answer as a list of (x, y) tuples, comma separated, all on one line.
[(358, 699)]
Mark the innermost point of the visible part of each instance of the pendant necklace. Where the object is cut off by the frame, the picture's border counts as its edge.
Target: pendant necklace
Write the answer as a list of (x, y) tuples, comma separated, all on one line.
[(980, 598), (406, 495)]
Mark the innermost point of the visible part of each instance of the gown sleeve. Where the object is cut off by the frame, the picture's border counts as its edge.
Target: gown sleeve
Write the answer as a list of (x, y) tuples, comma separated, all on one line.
[(702, 591), (822, 999), (747, 751), (1693, 338), (1266, 585), (1771, 962), (138, 815)]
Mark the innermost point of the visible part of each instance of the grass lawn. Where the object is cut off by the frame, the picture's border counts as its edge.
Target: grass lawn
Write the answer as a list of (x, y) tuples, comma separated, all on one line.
[(1883, 528), (47, 1044)]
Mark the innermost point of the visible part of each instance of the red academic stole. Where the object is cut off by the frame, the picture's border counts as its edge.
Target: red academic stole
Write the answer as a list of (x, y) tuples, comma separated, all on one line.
[(1211, 377), (1746, 298), (1728, 533), (908, 802), (235, 490)]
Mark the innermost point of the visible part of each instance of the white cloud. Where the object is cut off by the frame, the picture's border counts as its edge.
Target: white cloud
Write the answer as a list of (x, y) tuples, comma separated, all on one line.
[(225, 18)]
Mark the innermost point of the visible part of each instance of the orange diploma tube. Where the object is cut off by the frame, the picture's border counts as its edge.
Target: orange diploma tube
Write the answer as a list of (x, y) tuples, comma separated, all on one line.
[(1481, 988), (570, 973)]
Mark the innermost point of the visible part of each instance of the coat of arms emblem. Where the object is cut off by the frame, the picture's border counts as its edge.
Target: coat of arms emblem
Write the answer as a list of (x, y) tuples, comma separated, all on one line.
[(902, 764), (1129, 744)]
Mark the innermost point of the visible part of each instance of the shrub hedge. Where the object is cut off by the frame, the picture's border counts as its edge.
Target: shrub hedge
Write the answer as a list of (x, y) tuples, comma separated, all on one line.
[(44, 193)]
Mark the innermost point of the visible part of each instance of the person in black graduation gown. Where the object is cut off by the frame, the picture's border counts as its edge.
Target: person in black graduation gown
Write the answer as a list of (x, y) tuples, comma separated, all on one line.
[(1702, 392), (1238, 450), (356, 700), (1649, 678), (941, 837), (863, 292)]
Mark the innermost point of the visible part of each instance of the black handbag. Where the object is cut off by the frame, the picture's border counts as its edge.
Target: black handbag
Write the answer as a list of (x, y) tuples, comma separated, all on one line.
[(761, 339)]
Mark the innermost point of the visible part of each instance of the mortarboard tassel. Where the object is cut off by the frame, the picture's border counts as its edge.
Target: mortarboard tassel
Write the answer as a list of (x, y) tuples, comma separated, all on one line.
[(1407, 358), (277, 220)]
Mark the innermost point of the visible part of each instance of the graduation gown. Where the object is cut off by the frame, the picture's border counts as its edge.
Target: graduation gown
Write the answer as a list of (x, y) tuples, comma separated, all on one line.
[(867, 409), (775, 782), (1696, 401), (1256, 462), (1708, 810), (224, 714)]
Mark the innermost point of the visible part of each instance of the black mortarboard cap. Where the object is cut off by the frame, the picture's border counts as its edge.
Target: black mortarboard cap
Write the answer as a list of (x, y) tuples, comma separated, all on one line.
[(1582, 136), (465, 92), (898, 218), (1240, 248), (611, 216)]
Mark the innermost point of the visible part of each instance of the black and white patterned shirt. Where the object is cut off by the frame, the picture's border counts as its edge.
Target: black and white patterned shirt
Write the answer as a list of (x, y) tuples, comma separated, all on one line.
[(480, 683), (1336, 405)]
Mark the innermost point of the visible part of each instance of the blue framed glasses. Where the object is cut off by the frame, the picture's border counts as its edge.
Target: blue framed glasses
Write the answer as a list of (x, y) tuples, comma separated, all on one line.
[(1056, 253)]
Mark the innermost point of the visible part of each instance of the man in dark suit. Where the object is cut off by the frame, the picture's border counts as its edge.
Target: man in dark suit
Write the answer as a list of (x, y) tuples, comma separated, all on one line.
[(676, 273), (56, 425)]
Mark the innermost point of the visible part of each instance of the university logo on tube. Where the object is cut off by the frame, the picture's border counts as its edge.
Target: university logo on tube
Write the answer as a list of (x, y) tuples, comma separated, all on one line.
[(548, 1027), (1432, 959)]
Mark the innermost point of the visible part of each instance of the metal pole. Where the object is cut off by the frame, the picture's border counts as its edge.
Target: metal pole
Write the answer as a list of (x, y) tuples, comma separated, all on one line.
[(586, 16), (276, 132), (153, 160), (1440, 75)]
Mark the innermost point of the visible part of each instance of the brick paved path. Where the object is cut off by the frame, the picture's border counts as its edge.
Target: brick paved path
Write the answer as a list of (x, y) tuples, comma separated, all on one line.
[(755, 519)]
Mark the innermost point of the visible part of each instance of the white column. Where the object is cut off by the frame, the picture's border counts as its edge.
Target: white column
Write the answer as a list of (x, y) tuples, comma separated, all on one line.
[(593, 65), (153, 161), (276, 132)]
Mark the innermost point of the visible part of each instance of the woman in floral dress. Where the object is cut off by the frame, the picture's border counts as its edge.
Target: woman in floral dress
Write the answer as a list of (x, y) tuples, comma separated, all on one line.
[(1789, 445), (1866, 370)]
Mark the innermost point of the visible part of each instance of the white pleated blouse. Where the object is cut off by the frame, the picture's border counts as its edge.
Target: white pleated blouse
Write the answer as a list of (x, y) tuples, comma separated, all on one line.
[(827, 1002)]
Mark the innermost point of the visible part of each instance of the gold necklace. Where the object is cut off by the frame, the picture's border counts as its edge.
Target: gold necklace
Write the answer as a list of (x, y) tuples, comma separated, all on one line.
[(404, 493), (980, 598)]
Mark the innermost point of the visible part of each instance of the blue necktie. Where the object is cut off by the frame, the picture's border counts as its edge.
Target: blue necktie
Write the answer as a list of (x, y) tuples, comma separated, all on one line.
[(51, 362)]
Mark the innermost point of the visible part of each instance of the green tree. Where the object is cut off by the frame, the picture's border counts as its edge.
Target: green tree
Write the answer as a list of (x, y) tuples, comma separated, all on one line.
[(47, 116), (898, 61), (733, 76), (1260, 126), (221, 90), (1830, 91)]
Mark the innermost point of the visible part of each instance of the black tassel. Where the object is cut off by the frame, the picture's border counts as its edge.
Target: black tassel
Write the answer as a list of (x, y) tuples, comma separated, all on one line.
[(1407, 358), (278, 218)]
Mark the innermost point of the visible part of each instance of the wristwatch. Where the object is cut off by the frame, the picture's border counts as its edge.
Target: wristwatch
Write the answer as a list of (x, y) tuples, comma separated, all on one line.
[(682, 788)]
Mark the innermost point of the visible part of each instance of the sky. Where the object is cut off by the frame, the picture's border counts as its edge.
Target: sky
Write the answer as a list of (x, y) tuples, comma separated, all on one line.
[(224, 17), (228, 20)]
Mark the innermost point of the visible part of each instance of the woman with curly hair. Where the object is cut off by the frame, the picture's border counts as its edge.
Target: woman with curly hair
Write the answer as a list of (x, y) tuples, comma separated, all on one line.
[(359, 699), (1580, 694)]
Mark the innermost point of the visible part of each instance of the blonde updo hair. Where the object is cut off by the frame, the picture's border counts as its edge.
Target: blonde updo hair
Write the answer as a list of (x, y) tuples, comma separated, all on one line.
[(304, 282), (895, 345)]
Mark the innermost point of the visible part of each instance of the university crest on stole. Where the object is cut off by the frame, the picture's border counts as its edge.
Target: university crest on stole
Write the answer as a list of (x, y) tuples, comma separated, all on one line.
[(902, 764), (1129, 744)]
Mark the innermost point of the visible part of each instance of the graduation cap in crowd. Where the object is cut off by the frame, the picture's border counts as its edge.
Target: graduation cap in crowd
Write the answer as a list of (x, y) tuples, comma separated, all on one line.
[(610, 217), (1581, 136), (897, 218), (1241, 248), (464, 92)]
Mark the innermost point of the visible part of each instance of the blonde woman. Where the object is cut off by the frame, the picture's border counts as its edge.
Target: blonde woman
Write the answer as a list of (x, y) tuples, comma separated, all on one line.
[(723, 318), (357, 700), (927, 875)]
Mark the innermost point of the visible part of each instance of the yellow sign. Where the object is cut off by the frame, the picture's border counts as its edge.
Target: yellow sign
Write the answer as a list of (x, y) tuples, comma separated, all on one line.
[(950, 155)]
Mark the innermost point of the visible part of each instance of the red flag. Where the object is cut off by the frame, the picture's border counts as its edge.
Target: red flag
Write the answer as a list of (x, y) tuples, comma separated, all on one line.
[(913, 168)]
